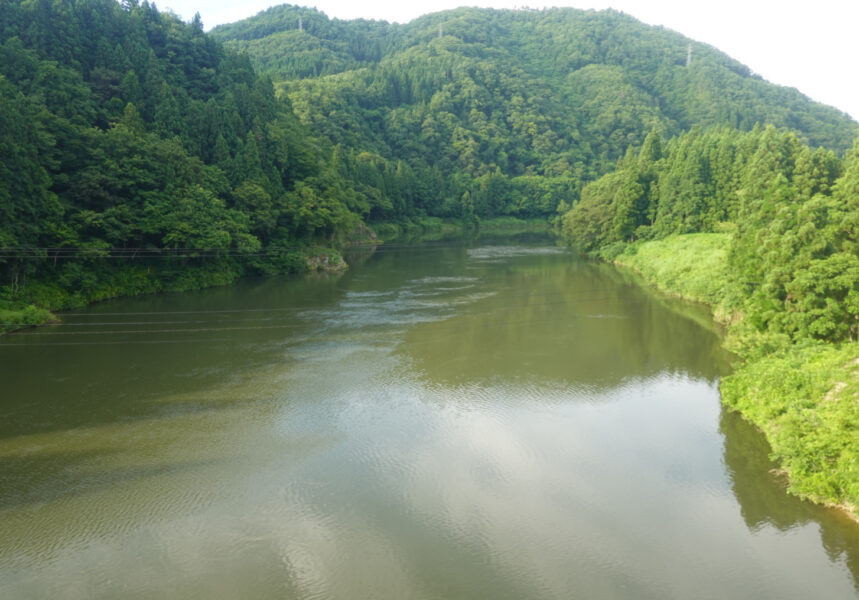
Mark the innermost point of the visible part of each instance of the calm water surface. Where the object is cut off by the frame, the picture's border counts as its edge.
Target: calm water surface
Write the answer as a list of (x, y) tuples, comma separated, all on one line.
[(452, 420)]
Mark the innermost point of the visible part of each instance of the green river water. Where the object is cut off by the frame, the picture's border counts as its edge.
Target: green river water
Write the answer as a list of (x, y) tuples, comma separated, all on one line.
[(485, 419)]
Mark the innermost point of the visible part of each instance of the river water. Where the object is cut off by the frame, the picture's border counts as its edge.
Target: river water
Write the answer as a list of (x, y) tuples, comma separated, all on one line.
[(484, 419)]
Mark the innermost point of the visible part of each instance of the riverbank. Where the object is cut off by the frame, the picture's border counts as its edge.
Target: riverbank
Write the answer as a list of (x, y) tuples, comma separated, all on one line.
[(36, 302), (803, 397)]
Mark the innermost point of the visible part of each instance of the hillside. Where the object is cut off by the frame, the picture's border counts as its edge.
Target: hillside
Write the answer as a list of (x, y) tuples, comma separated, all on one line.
[(137, 154), (493, 98), (662, 153)]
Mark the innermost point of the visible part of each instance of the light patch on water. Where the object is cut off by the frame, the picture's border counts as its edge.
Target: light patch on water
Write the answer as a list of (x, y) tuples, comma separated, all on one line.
[(452, 289), (407, 306), (472, 298), (572, 496), (368, 294), (495, 253), (382, 317), (451, 279)]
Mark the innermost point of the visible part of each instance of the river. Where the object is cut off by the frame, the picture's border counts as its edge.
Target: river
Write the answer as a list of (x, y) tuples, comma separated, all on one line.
[(484, 419)]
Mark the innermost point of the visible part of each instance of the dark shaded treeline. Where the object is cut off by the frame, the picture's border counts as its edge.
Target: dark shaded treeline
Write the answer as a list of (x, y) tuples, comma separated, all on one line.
[(126, 134)]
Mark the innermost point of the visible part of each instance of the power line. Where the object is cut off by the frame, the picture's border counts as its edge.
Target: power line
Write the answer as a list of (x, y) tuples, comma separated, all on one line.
[(292, 326), (180, 312), (456, 241), (125, 342), (309, 308), (454, 328), (174, 330)]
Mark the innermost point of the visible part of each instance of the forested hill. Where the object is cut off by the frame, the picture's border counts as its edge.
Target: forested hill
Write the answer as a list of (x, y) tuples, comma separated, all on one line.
[(560, 93), (137, 154)]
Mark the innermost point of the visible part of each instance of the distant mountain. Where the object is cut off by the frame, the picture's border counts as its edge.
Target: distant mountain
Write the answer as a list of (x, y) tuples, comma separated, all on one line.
[(557, 92)]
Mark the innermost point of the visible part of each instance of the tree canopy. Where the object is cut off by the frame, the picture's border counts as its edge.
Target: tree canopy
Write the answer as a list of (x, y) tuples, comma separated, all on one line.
[(558, 94), (791, 209)]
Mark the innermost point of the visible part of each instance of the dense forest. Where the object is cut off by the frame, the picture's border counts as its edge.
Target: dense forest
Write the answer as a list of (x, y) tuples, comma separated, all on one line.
[(789, 210), (139, 153), (658, 152), (512, 111)]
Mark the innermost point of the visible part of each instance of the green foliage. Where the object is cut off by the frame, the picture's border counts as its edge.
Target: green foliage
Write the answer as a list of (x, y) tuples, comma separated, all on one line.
[(290, 42), (792, 262), (133, 143), (588, 224), (692, 266), (520, 109), (138, 154), (25, 317), (129, 137), (805, 400), (513, 226), (803, 396)]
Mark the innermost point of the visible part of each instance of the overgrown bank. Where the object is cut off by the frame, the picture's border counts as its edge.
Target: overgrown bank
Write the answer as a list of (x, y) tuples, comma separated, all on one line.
[(34, 301), (765, 230), (804, 397)]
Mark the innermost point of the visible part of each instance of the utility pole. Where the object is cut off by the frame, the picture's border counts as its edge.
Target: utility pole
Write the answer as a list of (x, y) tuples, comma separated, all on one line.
[(689, 56), (440, 30), (300, 24)]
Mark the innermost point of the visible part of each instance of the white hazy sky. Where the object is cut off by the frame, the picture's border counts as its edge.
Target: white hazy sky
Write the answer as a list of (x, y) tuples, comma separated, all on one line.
[(809, 45)]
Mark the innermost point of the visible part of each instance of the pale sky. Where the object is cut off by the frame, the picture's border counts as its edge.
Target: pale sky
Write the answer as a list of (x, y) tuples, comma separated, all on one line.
[(809, 45)]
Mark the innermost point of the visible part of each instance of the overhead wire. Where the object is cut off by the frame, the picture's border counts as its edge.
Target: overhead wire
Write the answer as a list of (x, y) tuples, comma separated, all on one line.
[(304, 325), (312, 338), (371, 244), (309, 308), (161, 323), (180, 312)]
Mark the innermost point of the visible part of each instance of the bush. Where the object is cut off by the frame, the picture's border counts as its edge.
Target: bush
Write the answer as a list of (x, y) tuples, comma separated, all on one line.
[(805, 400)]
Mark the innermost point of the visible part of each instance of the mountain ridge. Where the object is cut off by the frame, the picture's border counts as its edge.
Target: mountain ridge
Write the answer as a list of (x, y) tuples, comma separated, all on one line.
[(550, 44)]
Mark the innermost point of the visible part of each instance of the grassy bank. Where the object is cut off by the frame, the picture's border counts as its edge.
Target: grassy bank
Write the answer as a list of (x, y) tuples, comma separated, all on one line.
[(16, 316), (692, 266), (805, 398)]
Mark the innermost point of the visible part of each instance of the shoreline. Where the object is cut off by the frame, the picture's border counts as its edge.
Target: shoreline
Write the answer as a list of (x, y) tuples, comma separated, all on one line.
[(136, 280), (823, 386), (28, 315)]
